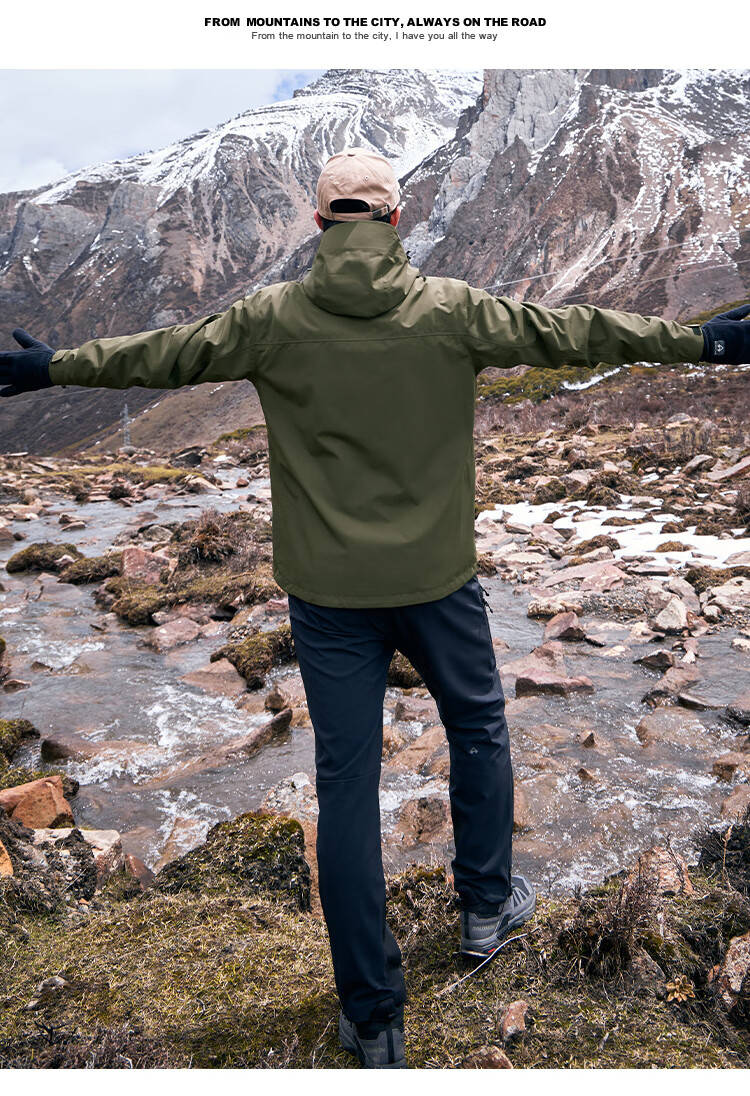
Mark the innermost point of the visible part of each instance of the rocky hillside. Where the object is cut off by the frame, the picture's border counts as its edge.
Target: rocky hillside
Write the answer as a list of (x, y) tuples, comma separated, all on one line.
[(628, 189), (625, 188)]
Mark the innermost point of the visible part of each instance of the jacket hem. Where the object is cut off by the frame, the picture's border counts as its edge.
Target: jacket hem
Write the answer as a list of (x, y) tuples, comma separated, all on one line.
[(375, 601)]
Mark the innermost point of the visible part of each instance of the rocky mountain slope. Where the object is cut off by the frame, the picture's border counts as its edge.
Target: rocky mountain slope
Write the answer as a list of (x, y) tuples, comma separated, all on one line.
[(627, 188), (181, 232)]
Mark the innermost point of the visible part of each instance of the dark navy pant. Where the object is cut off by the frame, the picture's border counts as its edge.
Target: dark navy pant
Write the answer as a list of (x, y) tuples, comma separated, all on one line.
[(344, 655)]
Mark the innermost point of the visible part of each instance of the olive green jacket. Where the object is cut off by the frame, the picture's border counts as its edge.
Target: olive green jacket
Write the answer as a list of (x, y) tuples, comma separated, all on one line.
[(366, 371)]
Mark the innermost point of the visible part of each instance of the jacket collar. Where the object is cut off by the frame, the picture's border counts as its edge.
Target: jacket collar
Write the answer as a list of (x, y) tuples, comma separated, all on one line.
[(360, 269)]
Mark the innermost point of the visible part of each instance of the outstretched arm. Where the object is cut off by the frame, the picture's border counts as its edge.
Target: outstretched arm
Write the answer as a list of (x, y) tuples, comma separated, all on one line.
[(218, 348), (507, 333)]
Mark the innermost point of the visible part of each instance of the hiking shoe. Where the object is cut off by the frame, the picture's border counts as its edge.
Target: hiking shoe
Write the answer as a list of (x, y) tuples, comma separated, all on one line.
[(481, 935), (378, 1045)]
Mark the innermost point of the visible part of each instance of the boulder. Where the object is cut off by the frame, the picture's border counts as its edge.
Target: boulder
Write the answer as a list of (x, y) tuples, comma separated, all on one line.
[(564, 626), (522, 817), (673, 725), (139, 564), (549, 657), (420, 752), (173, 634), (663, 870), (38, 804), (733, 977), (742, 468), (513, 1020), (417, 709), (552, 606), (732, 596), (218, 677), (296, 798), (423, 820), (543, 683), (658, 660), (6, 866), (106, 846), (488, 1057), (729, 765), (735, 804), (739, 709), (673, 617)]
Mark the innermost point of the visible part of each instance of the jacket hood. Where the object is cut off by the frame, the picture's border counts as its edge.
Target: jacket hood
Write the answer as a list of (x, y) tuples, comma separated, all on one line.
[(360, 269)]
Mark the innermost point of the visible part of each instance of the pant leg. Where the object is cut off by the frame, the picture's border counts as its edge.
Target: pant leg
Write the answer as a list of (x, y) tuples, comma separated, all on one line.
[(449, 643), (344, 657)]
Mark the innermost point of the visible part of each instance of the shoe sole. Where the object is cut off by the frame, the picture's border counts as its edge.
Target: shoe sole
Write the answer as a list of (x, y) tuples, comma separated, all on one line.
[(523, 915), (351, 1046)]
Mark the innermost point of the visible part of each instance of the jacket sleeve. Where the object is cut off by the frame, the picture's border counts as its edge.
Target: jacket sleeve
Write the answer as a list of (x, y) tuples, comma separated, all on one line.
[(218, 348), (504, 333)]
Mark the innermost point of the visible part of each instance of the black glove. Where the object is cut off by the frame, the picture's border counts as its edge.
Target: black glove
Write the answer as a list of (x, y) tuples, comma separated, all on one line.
[(726, 338), (25, 370)]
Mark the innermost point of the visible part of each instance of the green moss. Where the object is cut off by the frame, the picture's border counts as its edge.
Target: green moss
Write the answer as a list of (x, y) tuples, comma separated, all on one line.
[(550, 492), (92, 569), (702, 578), (136, 601), (537, 384), (254, 656), (12, 733), (255, 853), (40, 557), (241, 434), (402, 674)]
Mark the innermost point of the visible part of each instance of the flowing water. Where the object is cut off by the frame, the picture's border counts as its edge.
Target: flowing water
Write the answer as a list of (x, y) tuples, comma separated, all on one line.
[(92, 675)]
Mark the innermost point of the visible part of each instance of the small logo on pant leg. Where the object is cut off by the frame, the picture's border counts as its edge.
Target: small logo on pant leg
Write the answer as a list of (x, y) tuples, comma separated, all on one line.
[(719, 346)]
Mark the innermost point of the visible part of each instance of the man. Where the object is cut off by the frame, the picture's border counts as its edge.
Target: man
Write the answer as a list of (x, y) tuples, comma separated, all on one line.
[(366, 372)]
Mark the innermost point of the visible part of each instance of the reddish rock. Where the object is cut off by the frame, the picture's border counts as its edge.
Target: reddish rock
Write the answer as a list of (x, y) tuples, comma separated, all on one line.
[(739, 709), (564, 626), (733, 978), (549, 657), (38, 804), (422, 820), (672, 618), (220, 677), (658, 660), (729, 764), (411, 708), (139, 564), (539, 683), (420, 751), (487, 1058), (735, 805), (672, 725), (664, 870), (137, 870), (740, 469), (393, 741), (513, 1019), (173, 634), (523, 821), (6, 867)]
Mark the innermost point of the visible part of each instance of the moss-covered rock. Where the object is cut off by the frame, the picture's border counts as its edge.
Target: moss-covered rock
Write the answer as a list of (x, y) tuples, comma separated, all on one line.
[(550, 492), (255, 853), (12, 733), (703, 578), (254, 656), (92, 569), (402, 674), (40, 557), (11, 777)]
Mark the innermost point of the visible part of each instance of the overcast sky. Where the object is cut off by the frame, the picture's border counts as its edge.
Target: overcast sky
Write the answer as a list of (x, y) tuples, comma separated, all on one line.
[(55, 122)]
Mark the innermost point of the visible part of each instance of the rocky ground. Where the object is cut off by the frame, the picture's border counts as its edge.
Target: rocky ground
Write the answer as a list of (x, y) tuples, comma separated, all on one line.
[(617, 557)]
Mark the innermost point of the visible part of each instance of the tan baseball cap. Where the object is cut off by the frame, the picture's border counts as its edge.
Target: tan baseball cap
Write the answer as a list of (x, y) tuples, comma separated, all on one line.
[(358, 174)]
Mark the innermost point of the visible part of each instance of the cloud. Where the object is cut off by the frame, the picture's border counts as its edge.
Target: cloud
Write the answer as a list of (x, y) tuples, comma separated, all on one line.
[(54, 122)]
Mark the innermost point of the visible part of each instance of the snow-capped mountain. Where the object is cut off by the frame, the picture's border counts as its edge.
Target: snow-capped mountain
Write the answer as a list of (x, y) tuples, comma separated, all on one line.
[(627, 189)]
